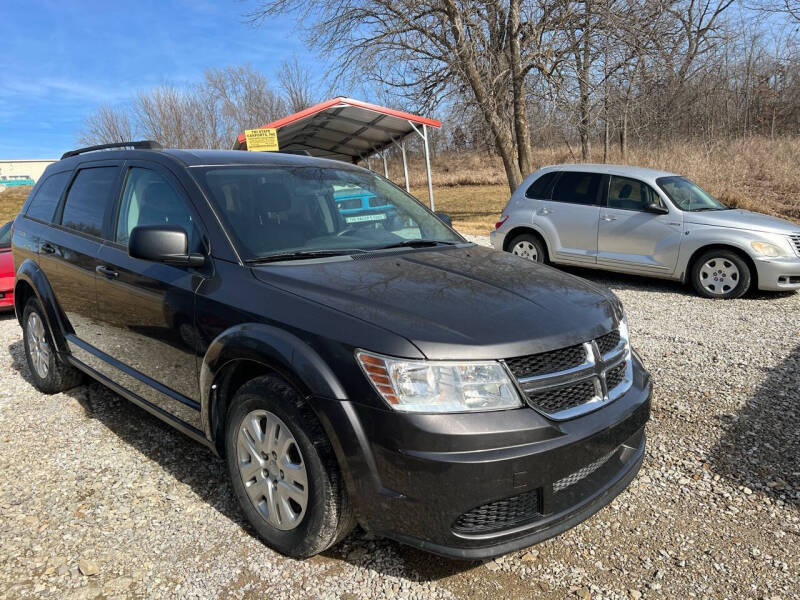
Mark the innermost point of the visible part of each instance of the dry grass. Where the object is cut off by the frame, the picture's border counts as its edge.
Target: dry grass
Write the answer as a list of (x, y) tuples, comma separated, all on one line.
[(11, 201)]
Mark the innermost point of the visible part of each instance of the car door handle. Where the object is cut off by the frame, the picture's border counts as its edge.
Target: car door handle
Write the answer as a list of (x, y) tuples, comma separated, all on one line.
[(609, 218), (48, 248), (107, 272)]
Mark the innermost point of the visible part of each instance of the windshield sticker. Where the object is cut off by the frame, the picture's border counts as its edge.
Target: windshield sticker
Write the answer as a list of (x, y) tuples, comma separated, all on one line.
[(362, 218)]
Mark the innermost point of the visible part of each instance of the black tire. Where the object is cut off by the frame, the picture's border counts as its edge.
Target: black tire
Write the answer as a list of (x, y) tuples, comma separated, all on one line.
[(533, 250), (702, 274), (328, 517), (56, 376)]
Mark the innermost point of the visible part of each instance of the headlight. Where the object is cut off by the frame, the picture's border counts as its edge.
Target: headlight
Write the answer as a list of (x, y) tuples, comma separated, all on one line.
[(439, 386), (766, 249)]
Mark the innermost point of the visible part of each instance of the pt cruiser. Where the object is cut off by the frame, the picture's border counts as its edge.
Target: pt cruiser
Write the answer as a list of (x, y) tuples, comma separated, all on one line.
[(366, 366)]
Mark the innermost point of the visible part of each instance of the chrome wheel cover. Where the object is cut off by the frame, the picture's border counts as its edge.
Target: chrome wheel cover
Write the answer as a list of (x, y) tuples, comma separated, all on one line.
[(719, 276), (272, 469), (38, 348), (526, 249)]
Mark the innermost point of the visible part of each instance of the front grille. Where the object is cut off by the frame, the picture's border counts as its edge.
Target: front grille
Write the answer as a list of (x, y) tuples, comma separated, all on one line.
[(583, 473), (615, 376), (563, 398), (795, 237), (501, 514), (608, 342), (547, 362)]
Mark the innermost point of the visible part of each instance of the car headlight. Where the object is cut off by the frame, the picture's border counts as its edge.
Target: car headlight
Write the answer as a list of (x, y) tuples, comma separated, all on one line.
[(766, 249), (439, 386)]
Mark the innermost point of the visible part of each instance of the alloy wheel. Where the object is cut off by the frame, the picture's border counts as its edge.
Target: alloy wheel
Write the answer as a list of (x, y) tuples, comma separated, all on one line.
[(272, 469), (38, 348)]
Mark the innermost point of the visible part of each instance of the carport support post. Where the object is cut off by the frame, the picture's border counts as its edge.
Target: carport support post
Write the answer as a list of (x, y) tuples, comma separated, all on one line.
[(405, 165), (428, 164), (385, 168)]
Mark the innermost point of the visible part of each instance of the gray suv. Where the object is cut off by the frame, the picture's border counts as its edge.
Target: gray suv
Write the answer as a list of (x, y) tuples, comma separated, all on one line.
[(647, 222)]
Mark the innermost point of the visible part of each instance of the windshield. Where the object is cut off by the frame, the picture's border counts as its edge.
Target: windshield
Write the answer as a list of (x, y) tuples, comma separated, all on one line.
[(289, 209), (5, 235), (687, 195)]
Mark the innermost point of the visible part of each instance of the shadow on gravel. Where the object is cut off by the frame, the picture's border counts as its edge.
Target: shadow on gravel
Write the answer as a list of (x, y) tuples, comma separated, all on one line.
[(760, 448), (195, 465)]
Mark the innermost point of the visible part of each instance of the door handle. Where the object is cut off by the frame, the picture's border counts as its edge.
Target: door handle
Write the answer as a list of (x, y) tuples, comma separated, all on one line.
[(48, 248), (609, 218), (107, 272)]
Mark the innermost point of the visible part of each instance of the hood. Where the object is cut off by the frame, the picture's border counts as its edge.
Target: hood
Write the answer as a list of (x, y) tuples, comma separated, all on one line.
[(742, 219), (456, 303)]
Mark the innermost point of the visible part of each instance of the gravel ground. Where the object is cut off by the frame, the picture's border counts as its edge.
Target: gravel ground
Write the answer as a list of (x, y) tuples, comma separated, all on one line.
[(101, 500)]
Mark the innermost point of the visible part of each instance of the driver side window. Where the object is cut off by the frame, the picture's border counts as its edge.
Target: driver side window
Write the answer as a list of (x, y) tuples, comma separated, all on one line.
[(630, 194), (149, 199)]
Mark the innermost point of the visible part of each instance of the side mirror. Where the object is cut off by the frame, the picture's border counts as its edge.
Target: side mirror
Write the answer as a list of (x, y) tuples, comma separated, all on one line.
[(163, 243), (444, 218), (655, 207)]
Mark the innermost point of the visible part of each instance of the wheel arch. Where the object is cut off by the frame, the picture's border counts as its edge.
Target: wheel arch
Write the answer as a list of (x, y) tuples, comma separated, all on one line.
[(521, 229), (695, 256), (244, 352), (31, 282)]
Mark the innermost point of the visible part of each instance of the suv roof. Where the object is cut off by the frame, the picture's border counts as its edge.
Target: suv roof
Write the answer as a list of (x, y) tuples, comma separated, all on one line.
[(607, 169), (192, 157)]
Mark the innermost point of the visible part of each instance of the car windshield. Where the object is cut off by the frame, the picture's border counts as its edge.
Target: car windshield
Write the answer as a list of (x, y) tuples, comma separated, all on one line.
[(5, 235), (687, 195), (306, 210)]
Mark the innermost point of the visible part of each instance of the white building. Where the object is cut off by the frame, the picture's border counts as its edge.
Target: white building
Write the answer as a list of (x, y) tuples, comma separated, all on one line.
[(33, 168)]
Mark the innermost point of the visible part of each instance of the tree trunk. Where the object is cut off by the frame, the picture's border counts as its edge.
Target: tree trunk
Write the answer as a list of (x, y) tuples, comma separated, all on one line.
[(521, 129), (583, 56)]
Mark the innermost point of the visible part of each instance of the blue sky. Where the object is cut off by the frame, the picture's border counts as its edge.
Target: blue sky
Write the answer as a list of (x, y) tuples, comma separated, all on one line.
[(61, 59)]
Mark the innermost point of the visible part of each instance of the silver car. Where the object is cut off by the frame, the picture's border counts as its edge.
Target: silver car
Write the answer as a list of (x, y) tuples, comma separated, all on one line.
[(647, 222)]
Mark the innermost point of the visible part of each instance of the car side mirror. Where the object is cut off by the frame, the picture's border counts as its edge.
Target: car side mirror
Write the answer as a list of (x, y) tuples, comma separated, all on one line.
[(659, 209), (444, 218), (163, 243)]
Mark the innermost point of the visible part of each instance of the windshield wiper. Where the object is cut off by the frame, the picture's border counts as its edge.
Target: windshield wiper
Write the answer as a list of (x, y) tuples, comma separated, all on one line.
[(705, 208), (301, 254), (416, 244)]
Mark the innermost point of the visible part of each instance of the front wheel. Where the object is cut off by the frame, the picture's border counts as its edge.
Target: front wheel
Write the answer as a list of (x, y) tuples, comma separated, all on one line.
[(528, 246), (50, 375), (721, 274), (283, 470)]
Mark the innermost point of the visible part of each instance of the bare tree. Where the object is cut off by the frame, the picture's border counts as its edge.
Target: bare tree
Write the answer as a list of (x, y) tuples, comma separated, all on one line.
[(106, 125), (295, 82)]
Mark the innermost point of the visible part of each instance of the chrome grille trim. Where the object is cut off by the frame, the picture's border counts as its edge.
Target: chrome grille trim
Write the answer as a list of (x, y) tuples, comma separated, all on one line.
[(794, 238), (594, 369)]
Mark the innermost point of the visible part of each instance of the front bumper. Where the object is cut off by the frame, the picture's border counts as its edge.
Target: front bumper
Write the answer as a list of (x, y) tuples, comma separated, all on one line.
[(478, 485), (7, 299), (778, 274)]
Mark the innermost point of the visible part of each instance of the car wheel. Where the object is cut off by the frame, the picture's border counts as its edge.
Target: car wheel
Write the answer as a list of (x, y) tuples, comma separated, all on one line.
[(50, 375), (283, 470), (721, 274), (528, 246)]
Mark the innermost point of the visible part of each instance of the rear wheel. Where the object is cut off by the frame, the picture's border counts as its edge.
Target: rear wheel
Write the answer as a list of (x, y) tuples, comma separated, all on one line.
[(721, 274), (283, 470), (528, 246), (50, 375)]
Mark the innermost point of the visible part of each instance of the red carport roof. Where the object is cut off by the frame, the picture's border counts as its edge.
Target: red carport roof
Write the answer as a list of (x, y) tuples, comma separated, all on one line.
[(343, 129)]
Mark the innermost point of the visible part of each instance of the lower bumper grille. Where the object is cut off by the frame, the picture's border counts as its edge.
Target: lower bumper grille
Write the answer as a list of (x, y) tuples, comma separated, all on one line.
[(581, 474), (502, 514)]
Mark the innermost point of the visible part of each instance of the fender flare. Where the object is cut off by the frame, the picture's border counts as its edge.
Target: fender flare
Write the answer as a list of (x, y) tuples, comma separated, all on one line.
[(31, 274), (269, 346)]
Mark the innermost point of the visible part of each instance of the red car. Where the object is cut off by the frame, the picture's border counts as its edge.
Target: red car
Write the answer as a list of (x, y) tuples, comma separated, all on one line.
[(6, 269)]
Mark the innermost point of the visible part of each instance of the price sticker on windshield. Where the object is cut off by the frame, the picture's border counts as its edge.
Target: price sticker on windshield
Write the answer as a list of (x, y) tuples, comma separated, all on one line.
[(363, 218), (262, 140)]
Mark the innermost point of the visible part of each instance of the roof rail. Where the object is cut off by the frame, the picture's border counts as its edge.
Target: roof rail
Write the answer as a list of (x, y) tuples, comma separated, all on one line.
[(140, 145)]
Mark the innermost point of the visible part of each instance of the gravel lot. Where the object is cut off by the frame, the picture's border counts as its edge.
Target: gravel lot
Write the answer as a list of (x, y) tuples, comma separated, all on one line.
[(101, 500)]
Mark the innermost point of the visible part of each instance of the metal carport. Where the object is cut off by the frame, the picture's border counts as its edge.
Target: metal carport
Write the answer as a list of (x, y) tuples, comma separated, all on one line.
[(350, 130)]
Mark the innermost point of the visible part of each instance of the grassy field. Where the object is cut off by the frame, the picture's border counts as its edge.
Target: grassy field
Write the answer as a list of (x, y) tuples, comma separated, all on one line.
[(753, 173)]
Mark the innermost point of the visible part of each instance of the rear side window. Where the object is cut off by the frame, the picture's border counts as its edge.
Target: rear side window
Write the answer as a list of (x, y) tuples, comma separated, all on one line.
[(43, 205), (542, 187), (577, 188), (5, 235), (88, 199), (630, 194)]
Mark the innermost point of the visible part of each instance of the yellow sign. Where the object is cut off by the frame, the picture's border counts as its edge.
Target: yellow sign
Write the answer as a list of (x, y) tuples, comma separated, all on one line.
[(262, 140)]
